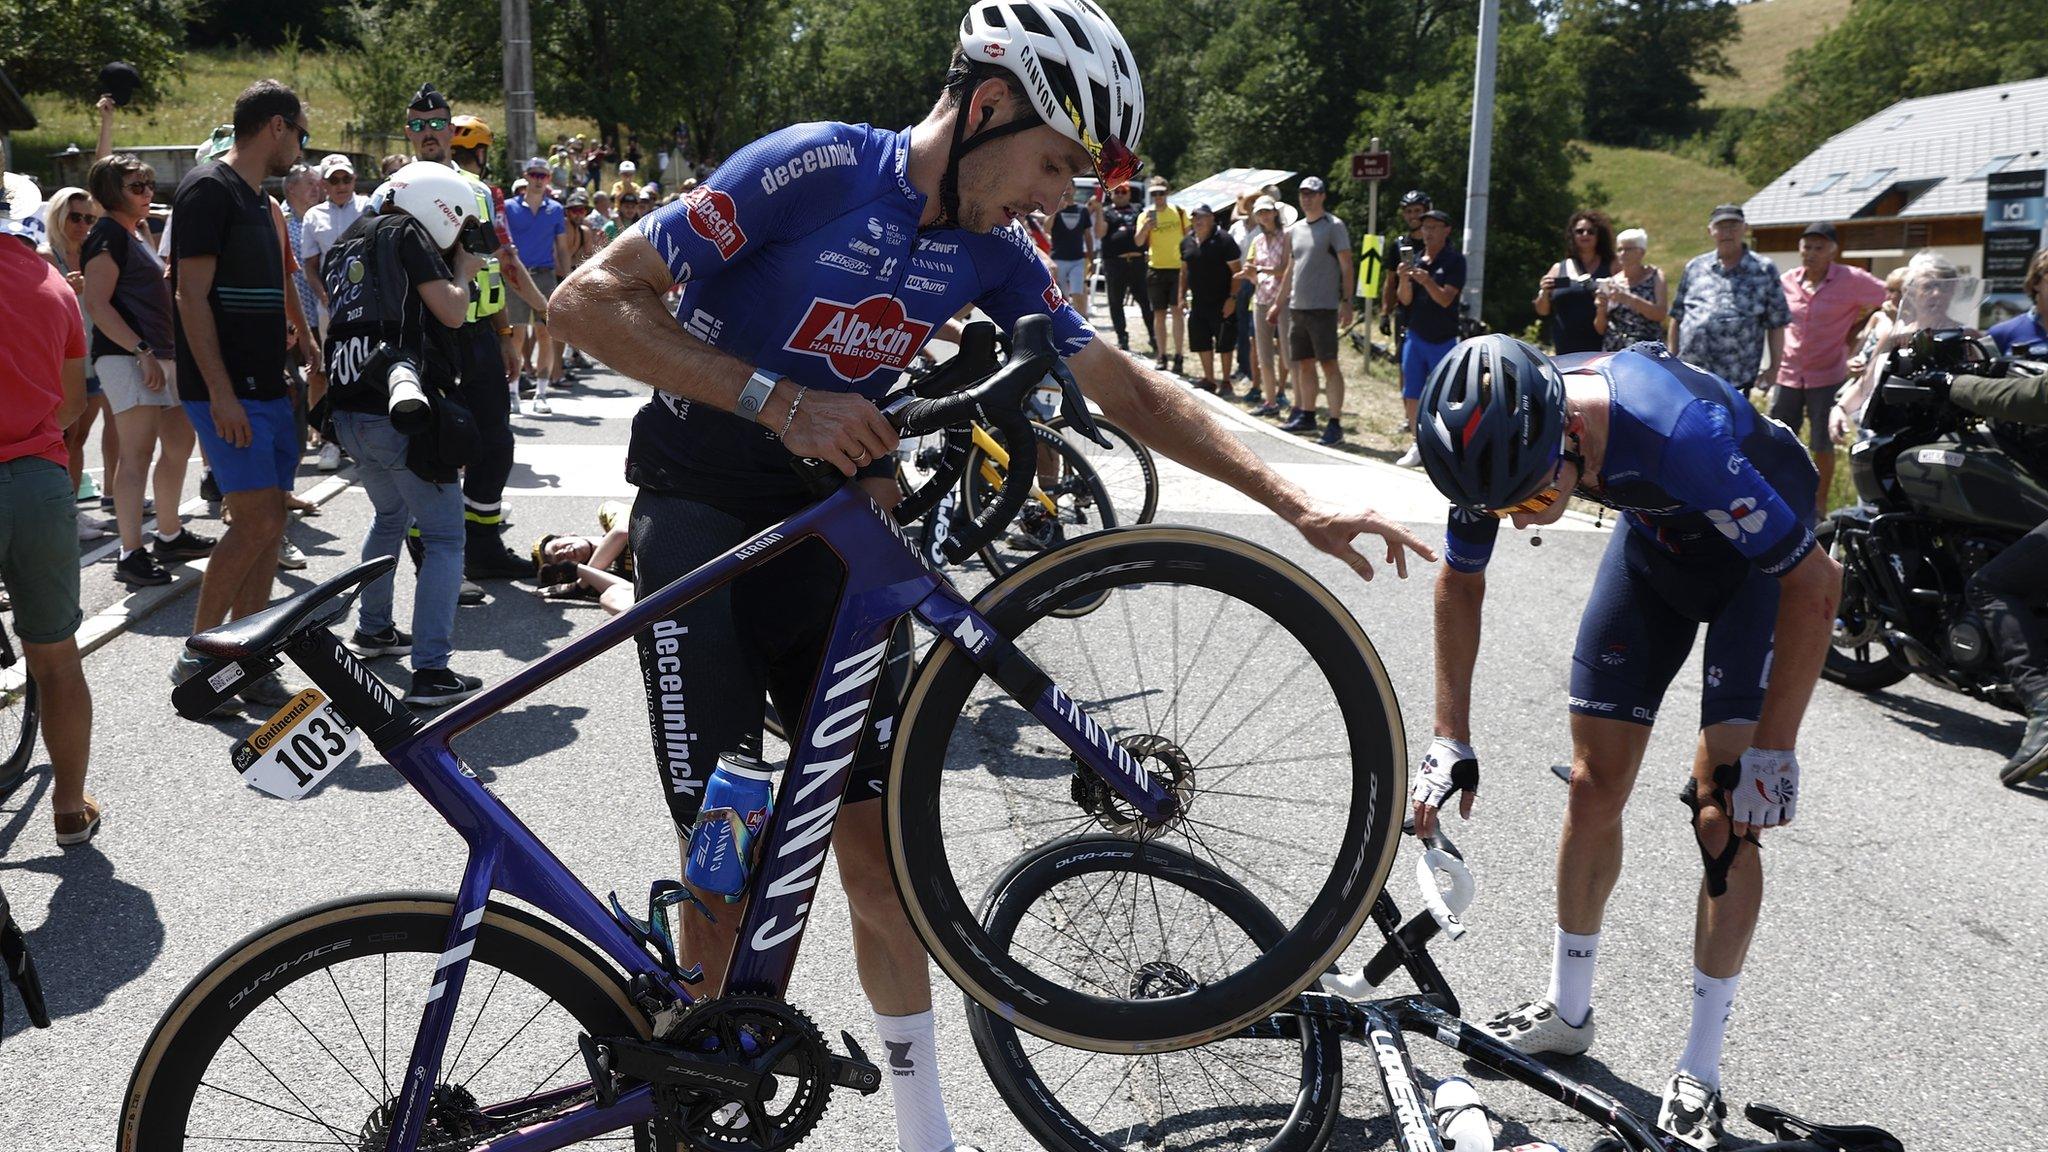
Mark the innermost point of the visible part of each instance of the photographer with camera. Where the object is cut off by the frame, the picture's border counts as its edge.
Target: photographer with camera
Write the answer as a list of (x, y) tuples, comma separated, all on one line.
[(398, 282)]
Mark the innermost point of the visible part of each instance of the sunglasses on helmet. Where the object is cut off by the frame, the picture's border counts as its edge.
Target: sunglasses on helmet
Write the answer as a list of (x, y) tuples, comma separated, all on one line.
[(1116, 164)]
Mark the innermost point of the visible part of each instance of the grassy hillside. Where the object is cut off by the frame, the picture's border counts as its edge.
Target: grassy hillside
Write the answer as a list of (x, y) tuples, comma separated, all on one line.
[(210, 80), (1668, 196), (1771, 29)]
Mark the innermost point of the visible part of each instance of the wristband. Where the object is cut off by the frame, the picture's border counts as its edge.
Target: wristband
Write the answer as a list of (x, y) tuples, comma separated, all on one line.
[(754, 395)]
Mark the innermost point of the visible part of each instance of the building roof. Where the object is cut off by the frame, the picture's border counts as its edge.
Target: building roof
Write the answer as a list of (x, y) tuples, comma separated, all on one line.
[(15, 115), (1918, 158)]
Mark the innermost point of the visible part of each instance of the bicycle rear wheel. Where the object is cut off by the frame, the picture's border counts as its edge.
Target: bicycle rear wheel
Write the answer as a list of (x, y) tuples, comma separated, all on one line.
[(20, 713), (1237, 1093), (1299, 799), (1080, 504), (300, 1033)]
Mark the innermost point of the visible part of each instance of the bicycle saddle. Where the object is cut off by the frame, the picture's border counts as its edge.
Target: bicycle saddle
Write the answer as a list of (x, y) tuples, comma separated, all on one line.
[(1846, 1137), (267, 632)]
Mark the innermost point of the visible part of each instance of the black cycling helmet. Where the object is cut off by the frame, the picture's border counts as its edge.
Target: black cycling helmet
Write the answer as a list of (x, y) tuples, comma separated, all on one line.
[(1490, 424), (1416, 196)]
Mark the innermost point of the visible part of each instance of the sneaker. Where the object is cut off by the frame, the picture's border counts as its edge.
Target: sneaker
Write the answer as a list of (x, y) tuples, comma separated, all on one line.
[(485, 557), (330, 457), (438, 687), (1692, 1113), (1299, 422), (139, 569), (267, 691), (1203, 385), (186, 545), (75, 828), (1333, 433), (1159, 362), (389, 642), (1123, 342), (209, 491), (1535, 1028), (91, 527), (525, 386), (471, 595), (541, 407), (289, 556), (1253, 398), (1412, 458), (1269, 408)]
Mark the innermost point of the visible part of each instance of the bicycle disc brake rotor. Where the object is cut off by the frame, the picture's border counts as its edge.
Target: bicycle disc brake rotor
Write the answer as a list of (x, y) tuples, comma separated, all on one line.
[(770, 1039), (1158, 756), (454, 1120)]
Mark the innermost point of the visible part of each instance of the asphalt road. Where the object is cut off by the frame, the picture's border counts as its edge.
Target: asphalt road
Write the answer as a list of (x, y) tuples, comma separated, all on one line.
[(1891, 980)]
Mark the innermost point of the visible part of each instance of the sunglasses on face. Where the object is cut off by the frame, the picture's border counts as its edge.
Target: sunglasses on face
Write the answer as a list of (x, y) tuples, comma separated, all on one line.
[(1548, 495), (532, 176), (1583, 232), (427, 124), (80, 217), (139, 186)]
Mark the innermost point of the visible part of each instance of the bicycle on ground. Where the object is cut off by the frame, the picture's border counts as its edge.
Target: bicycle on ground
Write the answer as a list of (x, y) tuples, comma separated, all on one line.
[(363, 1021), (1277, 1085)]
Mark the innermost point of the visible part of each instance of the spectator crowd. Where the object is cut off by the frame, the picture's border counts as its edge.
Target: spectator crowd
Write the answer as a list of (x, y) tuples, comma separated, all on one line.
[(232, 316)]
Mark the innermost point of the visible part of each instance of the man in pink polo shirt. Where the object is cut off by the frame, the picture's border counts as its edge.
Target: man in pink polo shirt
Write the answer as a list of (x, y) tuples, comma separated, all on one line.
[(1829, 303)]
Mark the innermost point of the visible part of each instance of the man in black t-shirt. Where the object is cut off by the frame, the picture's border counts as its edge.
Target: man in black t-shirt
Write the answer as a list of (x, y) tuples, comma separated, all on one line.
[(1072, 229), (1123, 262), (1427, 286), (227, 275), (1209, 263)]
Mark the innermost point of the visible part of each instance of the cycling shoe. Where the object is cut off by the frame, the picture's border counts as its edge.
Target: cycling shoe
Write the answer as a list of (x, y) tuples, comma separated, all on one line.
[(1692, 1113), (1535, 1028)]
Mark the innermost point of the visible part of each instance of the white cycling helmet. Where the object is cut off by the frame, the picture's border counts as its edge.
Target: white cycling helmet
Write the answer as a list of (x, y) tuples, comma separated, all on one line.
[(437, 196), (1076, 68)]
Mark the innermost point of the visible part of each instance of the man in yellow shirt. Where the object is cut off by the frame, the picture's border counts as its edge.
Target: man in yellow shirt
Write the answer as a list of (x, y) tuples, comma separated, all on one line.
[(1160, 231)]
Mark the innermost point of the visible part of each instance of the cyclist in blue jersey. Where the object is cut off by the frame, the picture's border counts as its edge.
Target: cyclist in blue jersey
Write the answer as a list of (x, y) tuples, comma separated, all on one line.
[(1718, 506), (814, 265)]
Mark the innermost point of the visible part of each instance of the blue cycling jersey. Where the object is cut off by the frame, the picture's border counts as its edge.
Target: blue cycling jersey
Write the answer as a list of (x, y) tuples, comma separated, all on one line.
[(1695, 470), (802, 256)]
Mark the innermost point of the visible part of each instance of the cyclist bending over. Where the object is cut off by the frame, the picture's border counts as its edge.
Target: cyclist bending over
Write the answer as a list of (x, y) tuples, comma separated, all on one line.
[(1719, 505), (814, 264)]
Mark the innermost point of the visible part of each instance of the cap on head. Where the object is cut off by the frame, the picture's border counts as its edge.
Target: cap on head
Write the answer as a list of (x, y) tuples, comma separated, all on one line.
[(1820, 228), (1313, 184), (335, 162), (1437, 214), (1204, 210), (1726, 212), (536, 166), (1265, 204), (626, 166), (427, 99), (1157, 184), (577, 199)]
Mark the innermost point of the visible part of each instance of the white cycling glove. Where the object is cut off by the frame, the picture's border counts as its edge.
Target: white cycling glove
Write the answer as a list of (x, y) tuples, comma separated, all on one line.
[(1766, 790), (1449, 766)]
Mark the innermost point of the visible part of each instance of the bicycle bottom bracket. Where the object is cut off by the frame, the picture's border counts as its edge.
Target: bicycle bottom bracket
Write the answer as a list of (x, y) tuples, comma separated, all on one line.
[(1158, 756)]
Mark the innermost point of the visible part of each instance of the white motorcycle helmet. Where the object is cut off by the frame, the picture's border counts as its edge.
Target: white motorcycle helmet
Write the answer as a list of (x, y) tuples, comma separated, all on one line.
[(437, 196)]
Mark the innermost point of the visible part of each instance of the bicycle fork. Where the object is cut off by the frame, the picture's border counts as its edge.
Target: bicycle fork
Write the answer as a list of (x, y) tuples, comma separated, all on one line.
[(1061, 714)]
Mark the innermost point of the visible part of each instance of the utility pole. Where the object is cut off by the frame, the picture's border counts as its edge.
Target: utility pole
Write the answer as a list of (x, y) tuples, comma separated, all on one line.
[(1479, 161), (521, 131)]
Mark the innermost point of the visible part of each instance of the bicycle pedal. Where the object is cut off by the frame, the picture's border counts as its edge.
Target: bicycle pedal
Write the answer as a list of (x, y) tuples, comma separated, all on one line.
[(854, 1070)]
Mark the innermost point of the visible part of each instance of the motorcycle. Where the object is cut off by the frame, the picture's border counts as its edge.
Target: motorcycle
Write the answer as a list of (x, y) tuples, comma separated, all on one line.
[(1942, 493)]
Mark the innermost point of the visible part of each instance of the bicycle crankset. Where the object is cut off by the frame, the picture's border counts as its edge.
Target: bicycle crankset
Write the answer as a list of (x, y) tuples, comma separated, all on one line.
[(1160, 757), (739, 1074)]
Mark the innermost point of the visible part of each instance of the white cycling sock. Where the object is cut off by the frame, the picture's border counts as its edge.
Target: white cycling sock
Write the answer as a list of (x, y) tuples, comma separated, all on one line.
[(1571, 975), (911, 1063), (1713, 1002)]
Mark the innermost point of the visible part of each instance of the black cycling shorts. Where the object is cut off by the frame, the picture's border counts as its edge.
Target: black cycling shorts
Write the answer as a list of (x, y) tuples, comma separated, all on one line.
[(710, 667)]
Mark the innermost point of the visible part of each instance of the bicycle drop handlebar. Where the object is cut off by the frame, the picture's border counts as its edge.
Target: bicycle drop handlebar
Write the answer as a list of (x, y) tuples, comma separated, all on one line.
[(936, 401)]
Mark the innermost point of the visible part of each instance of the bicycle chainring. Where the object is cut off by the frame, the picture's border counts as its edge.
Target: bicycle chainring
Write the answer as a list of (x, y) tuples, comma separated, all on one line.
[(766, 1037), (1160, 757)]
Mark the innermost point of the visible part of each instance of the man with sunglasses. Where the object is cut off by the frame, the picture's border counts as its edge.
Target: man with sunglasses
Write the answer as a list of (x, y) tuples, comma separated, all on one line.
[(813, 266), (327, 220), (1717, 504)]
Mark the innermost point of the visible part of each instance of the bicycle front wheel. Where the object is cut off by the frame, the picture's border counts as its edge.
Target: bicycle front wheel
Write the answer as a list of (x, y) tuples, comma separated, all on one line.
[(1074, 502), (1129, 474), (19, 713), (301, 1033), (1063, 903), (1229, 674)]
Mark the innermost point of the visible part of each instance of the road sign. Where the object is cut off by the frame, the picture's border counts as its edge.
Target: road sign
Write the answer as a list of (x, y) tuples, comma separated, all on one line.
[(1372, 267), (1372, 165)]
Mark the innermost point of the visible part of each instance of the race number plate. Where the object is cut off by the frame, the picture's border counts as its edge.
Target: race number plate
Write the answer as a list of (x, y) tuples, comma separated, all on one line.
[(294, 750)]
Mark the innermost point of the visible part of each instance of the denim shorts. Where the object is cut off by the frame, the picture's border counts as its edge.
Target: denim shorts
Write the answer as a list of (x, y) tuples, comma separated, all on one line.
[(39, 549), (272, 458)]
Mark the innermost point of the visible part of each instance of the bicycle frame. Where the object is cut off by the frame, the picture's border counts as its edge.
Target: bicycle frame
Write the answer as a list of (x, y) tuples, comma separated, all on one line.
[(996, 456), (885, 580)]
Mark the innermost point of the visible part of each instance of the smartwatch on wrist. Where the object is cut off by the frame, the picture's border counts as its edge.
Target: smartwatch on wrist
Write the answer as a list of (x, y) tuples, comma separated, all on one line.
[(755, 395), (142, 348)]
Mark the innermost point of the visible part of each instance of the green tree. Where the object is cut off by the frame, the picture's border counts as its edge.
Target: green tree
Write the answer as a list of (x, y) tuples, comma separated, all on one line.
[(1533, 127), (1884, 51), (378, 81), (1642, 62), (60, 45)]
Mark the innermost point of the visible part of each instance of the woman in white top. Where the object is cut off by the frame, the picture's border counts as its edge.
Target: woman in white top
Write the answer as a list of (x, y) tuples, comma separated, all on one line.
[(67, 217), (1265, 266)]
